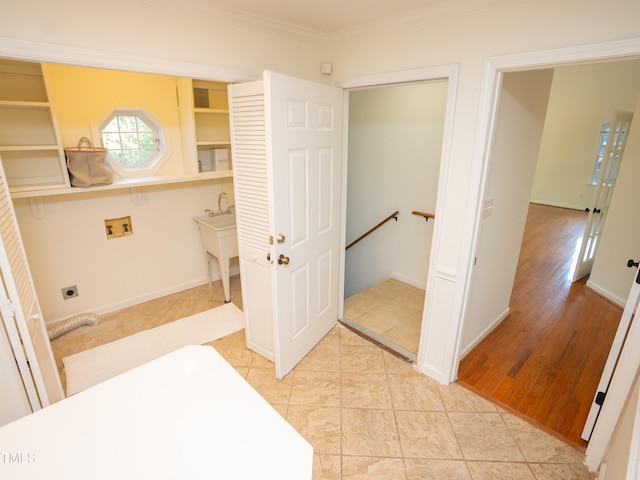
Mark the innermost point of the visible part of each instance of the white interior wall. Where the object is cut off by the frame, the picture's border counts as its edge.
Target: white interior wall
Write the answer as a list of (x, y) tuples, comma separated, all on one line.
[(171, 31), (471, 41), (620, 239), (69, 246), (583, 97), (395, 144), (164, 254), (518, 130), (580, 98)]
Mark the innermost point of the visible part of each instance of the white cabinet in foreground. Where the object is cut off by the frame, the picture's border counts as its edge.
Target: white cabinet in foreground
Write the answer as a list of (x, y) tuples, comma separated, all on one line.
[(188, 414)]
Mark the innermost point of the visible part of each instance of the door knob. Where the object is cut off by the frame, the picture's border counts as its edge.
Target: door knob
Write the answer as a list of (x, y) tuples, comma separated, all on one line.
[(282, 260), (631, 263)]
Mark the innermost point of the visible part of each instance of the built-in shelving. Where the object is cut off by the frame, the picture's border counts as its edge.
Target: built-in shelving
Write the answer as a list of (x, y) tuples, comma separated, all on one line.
[(31, 149), (204, 114), (30, 146)]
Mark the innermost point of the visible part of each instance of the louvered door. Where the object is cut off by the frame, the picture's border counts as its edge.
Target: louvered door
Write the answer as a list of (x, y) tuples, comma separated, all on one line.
[(251, 184), (21, 314), (287, 146)]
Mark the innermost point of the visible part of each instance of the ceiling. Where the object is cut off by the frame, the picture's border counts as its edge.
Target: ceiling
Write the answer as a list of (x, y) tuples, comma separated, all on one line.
[(324, 19)]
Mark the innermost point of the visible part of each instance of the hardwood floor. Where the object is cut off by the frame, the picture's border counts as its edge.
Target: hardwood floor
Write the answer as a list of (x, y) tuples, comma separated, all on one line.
[(545, 359)]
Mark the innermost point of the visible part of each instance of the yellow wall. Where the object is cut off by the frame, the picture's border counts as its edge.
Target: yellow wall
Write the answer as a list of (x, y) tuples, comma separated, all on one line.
[(83, 98)]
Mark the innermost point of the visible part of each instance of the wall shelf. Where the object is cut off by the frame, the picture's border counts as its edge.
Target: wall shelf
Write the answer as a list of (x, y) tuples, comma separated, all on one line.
[(213, 142), (216, 111), (123, 183)]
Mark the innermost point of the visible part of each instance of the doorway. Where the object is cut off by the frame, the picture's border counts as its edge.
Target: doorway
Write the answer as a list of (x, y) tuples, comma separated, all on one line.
[(395, 136), (543, 362), (544, 178)]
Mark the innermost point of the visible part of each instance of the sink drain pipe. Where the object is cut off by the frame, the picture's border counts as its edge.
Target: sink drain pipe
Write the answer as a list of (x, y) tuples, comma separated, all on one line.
[(64, 326)]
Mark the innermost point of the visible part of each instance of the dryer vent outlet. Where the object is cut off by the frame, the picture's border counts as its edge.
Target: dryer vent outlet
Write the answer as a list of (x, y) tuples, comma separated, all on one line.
[(69, 292)]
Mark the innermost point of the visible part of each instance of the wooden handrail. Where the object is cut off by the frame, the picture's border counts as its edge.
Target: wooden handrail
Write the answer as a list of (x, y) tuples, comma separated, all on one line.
[(426, 216), (393, 215)]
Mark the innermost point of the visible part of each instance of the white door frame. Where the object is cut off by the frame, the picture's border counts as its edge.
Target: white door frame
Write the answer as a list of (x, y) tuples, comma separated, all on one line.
[(616, 384), (444, 72), (494, 69)]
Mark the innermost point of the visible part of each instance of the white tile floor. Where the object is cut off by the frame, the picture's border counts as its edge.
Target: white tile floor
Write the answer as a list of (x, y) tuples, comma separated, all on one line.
[(367, 413), (392, 310)]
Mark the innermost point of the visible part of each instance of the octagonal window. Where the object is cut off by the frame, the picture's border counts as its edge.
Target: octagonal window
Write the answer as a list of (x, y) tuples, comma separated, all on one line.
[(134, 141)]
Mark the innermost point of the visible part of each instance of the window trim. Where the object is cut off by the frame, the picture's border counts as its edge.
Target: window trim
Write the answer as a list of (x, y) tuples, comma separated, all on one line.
[(159, 155)]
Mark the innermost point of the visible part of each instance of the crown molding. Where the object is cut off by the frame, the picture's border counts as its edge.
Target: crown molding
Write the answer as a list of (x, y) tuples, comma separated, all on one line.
[(49, 53), (436, 11), (240, 17), (433, 13)]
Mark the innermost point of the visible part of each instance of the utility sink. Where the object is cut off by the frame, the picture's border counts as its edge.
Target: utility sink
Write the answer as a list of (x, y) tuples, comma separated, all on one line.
[(219, 222), (219, 239)]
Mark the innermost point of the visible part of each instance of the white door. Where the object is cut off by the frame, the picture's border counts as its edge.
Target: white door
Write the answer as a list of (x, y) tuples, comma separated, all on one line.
[(614, 148), (626, 364), (14, 402), (20, 314), (305, 130), (614, 354), (287, 146)]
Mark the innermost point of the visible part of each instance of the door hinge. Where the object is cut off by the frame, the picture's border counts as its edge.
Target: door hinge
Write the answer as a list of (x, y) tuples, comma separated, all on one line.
[(600, 398), (7, 308)]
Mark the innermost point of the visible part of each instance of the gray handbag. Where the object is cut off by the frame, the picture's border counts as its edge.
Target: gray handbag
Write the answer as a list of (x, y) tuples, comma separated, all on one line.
[(87, 165)]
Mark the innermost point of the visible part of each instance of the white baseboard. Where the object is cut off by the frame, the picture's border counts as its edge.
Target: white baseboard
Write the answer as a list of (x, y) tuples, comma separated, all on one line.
[(409, 281), (129, 302), (603, 292), (434, 373), (260, 350), (467, 348), (559, 205)]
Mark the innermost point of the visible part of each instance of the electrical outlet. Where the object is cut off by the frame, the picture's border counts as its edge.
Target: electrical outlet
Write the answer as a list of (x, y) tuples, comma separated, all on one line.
[(69, 292)]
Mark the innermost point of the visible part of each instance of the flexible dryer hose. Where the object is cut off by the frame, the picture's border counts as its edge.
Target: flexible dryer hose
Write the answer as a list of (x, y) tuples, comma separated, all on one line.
[(64, 326)]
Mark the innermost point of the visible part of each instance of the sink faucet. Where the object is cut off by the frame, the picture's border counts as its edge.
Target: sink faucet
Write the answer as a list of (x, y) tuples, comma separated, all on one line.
[(226, 211), (220, 197)]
